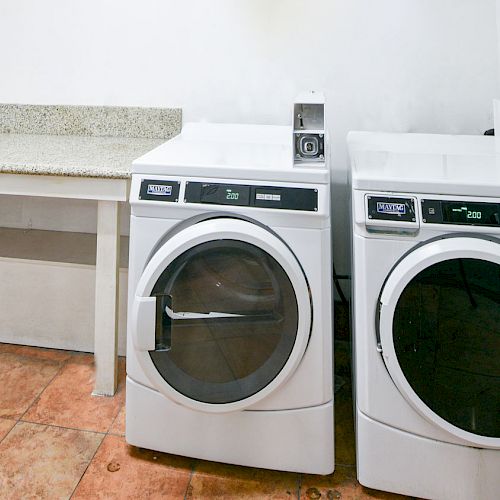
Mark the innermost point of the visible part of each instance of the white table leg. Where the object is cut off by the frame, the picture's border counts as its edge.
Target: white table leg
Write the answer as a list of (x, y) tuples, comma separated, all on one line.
[(106, 297)]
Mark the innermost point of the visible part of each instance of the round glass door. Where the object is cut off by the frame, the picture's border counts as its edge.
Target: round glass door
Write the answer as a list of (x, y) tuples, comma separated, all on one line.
[(446, 338), (226, 321)]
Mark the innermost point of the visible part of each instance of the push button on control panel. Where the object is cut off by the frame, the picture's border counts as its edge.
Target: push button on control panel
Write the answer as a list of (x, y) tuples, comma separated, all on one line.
[(431, 211), (268, 198)]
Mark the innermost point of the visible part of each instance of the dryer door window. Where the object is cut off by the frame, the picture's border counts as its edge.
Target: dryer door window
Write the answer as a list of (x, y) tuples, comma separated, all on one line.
[(439, 334), (226, 321), (446, 333)]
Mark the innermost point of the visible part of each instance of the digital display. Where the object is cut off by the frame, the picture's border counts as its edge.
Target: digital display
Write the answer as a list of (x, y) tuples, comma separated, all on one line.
[(225, 194), (461, 212), (471, 213)]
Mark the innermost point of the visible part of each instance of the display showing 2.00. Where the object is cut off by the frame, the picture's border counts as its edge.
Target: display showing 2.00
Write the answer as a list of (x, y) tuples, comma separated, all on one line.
[(477, 213), (473, 215)]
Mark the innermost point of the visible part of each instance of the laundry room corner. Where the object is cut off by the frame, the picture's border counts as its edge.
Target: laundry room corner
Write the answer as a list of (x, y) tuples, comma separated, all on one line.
[(249, 249)]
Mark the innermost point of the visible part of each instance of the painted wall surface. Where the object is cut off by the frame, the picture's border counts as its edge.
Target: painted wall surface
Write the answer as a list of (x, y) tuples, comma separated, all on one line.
[(498, 44), (393, 65)]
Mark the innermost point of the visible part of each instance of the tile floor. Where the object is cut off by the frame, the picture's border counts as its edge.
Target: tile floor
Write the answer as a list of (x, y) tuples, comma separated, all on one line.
[(57, 441)]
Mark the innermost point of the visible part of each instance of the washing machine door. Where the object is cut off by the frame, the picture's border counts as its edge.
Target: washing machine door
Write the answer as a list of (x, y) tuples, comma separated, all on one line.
[(221, 315), (439, 332)]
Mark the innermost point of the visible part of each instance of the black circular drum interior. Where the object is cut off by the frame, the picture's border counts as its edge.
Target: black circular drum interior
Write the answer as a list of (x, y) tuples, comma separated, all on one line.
[(446, 333)]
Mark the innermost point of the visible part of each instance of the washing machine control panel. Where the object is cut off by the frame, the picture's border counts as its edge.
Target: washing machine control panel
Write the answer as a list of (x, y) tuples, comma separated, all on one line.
[(461, 212), (246, 195)]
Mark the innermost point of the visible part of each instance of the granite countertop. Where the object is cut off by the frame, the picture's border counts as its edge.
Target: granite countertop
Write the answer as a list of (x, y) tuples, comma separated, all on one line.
[(71, 155), (80, 141)]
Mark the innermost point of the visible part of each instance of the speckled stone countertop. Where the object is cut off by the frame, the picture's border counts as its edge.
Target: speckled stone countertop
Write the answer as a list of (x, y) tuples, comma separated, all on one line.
[(80, 141), (71, 155)]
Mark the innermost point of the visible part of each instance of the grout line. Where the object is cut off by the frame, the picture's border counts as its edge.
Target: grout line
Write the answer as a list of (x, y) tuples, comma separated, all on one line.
[(299, 486), (17, 421), (114, 419), (88, 465), (37, 398), (120, 408), (115, 434), (189, 482), (104, 433), (62, 427)]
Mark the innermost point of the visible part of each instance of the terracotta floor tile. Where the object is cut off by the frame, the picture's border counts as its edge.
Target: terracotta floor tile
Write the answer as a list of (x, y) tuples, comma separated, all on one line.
[(68, 400), (45, 461), (118, 426), (341, 484), (214, 480), (5, 427), (121, 471), (22, 379), (36, 352), (38, 461)]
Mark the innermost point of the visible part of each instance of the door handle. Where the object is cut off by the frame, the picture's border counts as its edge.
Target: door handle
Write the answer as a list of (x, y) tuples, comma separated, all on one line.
[(143, 332)]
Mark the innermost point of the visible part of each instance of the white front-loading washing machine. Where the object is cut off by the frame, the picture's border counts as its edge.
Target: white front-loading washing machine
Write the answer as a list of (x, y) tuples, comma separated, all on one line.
[(230, 307), (426, 319)]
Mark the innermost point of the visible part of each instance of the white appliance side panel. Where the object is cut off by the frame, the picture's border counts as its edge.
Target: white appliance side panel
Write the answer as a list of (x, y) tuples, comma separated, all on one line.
[(296, 440), (392, 460)]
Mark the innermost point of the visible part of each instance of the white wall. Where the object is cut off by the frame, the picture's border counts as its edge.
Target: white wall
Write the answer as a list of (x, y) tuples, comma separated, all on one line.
[(498, 44), (394, 65)]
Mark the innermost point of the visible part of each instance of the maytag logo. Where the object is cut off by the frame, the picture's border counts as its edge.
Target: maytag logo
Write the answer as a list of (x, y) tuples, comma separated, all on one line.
[(391, 208), (159, 190)]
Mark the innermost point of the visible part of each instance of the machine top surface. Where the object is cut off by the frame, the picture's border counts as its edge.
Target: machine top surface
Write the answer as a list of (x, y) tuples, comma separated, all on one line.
[(230, 151), (425, 163)]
